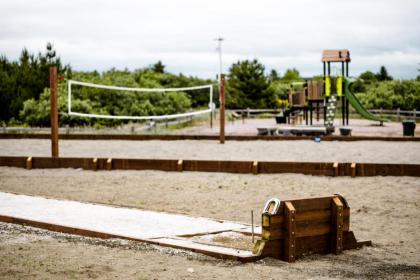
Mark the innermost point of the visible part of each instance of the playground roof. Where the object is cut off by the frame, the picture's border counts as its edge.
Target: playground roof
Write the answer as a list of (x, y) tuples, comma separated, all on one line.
[(336, 56)]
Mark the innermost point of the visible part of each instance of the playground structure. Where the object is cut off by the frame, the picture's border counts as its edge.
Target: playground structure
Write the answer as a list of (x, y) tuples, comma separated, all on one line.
[(325, 95)]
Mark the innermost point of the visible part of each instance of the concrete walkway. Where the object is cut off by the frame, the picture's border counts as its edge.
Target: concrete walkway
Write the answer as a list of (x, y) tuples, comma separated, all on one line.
[(147, 226), (117, 221)]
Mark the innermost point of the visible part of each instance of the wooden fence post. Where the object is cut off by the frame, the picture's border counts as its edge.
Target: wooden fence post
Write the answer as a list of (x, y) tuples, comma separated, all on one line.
[(54, 112), (222, 109)]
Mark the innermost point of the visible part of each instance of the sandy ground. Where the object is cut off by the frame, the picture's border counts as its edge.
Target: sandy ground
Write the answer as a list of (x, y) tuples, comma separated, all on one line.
[(384, 210), (305, 150), (360, 127), (201, 126)]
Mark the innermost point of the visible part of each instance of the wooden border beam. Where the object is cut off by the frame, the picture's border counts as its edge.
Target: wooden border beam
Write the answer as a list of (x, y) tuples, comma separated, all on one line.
[(177, 137), (249, 167)]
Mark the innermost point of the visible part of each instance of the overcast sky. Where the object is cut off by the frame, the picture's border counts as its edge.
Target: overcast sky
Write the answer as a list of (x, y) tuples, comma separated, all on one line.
[(99, 34)]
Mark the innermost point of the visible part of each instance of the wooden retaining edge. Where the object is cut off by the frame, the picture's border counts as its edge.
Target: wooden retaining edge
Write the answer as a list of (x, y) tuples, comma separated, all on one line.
[(97, 234), (169, 137), (261, 167)]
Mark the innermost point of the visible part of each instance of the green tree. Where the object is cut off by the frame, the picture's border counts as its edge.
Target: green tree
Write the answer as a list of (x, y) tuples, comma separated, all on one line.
[(291, 75), (273, 76), (25, 79), (158, 67), (248, 87), (392, 95), (368, 77), (383, 75)]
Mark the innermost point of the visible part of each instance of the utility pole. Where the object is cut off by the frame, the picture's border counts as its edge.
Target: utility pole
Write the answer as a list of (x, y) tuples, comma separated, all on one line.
[(222, 110), (221, 93), (219, 48)]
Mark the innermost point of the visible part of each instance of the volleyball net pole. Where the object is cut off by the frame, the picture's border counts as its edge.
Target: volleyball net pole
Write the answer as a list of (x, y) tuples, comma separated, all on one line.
[(54, 112)]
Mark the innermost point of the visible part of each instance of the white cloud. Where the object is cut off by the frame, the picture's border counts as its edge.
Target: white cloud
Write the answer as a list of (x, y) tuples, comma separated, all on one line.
[(98, 34)]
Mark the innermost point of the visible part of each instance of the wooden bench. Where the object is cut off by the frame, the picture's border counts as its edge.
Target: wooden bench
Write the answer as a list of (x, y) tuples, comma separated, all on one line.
[(307, 226), (267, 130)]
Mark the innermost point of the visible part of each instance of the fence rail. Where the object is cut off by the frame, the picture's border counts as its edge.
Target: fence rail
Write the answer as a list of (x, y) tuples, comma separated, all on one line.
[(398, 114)]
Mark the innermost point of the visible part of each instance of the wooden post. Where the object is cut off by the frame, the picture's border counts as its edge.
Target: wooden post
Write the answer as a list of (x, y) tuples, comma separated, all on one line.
[(337, 221), (353, 169), (94, 164), (335, 169), (290, 238), (29, 163), (222, 109), (109, 164), (255, 167), (54, 112), (180, 165)]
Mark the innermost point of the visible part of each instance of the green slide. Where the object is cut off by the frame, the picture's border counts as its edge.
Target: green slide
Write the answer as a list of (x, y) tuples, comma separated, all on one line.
[(358, 106)]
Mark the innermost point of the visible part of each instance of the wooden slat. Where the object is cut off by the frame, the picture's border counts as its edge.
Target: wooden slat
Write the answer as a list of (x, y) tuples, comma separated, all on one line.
[(309, 204), (13, 161), (218, 166)]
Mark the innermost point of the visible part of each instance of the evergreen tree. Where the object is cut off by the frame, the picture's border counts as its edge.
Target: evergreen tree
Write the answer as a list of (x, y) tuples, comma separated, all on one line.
[(274, 76), (248, 87), (158, 67), (25, 79), (382, 75)]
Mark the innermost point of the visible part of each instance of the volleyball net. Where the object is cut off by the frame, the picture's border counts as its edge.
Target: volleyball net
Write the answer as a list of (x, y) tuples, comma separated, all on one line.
[(129, 103)]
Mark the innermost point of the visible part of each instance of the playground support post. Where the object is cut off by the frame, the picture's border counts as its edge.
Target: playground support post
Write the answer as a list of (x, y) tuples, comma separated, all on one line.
[(222, 109), (54, 112), (347, 68), (347, 101)]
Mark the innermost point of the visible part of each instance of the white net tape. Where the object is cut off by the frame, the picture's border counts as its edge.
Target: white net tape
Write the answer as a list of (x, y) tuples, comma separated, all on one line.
[(160, 117)]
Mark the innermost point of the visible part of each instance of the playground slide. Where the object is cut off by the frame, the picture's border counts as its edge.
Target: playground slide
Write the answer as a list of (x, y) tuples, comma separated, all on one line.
[(359, 107)]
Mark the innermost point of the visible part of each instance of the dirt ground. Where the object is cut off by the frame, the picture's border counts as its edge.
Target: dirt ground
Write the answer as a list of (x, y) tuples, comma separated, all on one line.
[(201, 126), (360, 127), (305, 150), (383, 209)]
